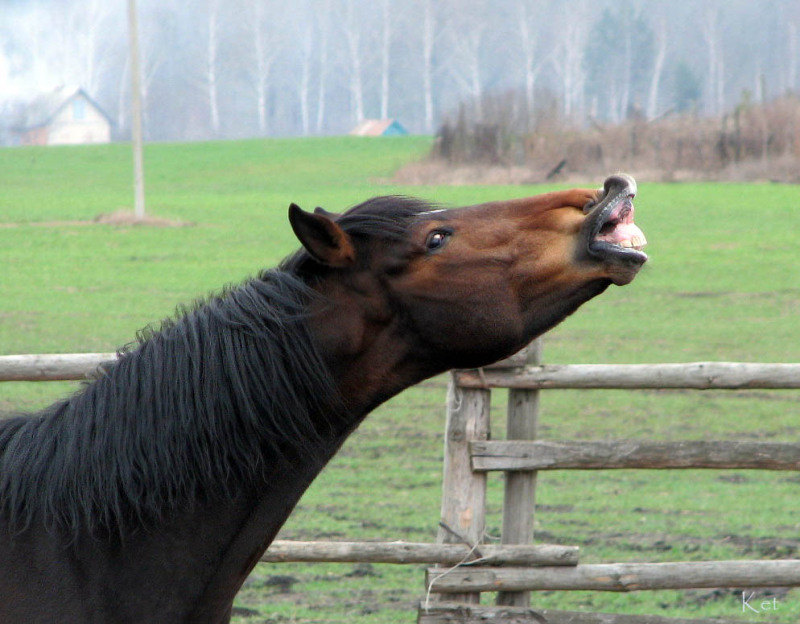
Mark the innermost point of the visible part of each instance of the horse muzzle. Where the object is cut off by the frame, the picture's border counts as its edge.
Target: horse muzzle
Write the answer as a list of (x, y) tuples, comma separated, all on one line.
[(612, 237)]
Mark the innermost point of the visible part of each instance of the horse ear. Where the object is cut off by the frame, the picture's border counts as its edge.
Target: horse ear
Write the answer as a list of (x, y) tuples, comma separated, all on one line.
[(321, 211), (322, 237)]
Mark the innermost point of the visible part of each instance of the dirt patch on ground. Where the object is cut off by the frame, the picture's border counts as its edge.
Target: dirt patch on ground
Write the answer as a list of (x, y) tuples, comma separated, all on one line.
[(127, 218), (120, 218)]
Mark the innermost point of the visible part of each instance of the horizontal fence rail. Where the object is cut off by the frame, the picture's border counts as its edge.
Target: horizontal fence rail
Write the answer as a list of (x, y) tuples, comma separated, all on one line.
[(472, 614), (695, 375), (546, 455), (619, 577), (52, 366), (412, 552), (79, 366), (504, 374)]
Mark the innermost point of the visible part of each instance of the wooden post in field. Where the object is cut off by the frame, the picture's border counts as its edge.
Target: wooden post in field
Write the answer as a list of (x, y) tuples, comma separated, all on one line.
[(136, 112), (463, 517), (520, 487)]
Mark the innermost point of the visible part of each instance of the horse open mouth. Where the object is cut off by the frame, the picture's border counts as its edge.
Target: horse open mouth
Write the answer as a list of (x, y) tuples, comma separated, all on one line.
[(612, 233)]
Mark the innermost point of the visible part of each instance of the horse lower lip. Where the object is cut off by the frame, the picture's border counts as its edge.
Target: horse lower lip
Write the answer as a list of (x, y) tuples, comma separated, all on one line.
[(615, 252)]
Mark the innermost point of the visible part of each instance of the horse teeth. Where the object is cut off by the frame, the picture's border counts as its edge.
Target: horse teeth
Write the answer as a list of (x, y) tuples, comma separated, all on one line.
[(626, 243)]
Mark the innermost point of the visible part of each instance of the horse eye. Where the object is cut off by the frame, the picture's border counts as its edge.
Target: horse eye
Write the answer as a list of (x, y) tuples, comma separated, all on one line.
[(436, 240)]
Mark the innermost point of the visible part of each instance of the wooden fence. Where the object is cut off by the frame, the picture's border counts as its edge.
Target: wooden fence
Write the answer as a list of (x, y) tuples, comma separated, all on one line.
[(470, 455), (465, 566)]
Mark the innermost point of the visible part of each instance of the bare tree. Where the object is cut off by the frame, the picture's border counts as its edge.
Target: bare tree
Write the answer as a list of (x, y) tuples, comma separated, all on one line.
[(428, 40), (386, 46), (793, 52), (344, 58), (351, 25), (211, 64), (568, 61), (152, 59), (88, 22), (267, 45), (466, 41), (306, 52), (528, 17), (658, 68), (323, 16), (69, 43), (715, 81)]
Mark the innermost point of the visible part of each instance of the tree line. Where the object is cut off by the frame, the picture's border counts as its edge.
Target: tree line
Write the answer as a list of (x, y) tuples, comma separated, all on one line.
[(236, 68)]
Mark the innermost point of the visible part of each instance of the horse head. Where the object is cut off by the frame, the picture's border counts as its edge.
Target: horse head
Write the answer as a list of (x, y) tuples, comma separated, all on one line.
[(462, 287)]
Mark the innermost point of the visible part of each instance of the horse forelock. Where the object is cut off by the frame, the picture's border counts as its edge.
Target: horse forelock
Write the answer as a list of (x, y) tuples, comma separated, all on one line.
[(211, 399)]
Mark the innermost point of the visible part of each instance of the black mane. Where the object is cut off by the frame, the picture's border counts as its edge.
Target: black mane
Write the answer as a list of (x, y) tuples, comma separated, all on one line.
[(206, 402)]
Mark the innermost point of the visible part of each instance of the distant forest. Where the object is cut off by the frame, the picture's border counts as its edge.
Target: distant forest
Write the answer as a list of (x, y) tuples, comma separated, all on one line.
[(237, 68)]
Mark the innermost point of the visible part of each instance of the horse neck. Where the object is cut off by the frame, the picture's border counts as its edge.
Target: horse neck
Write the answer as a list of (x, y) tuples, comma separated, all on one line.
[(371, 355), (369, 362)]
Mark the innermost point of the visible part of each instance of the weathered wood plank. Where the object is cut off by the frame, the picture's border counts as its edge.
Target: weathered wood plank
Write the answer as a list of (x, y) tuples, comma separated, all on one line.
[(51, 366), (550, 455), (468, 614), (622, 577), (519, 495), (413, 552), (696, 375), (463, 515), (519, 359)]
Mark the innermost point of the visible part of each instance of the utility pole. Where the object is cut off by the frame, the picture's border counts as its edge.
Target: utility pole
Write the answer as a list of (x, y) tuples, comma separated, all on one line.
[(136, 112)]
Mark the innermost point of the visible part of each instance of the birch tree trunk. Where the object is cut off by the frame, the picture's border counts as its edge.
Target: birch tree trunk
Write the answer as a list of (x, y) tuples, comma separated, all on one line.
[(528, 43), (710, 34), (658, 68), (81, 50), (260, 79), (352, 33), (323, 23), (268, 43), (791, 79), (428, 37), (571, 66), (211, 65), (625, 96), (385, 53), (305, 79), (466, 69), (720, 86), (474, 56)]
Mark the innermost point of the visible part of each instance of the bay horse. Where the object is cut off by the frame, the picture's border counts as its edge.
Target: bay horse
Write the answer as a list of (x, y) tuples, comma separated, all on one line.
[(150, 494)]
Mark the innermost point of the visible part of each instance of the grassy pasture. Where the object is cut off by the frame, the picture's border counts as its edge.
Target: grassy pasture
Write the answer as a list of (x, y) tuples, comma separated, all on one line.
[(722, 284)]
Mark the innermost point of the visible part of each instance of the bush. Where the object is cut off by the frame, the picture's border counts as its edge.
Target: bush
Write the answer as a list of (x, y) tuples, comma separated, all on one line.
[(673, 143)]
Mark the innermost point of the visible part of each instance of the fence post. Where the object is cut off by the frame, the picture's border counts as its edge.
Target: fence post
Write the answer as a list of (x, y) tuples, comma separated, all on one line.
[(520, 487), (463, 516)]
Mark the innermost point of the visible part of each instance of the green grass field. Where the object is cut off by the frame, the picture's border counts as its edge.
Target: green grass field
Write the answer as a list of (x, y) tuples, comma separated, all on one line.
[(722, 284)]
